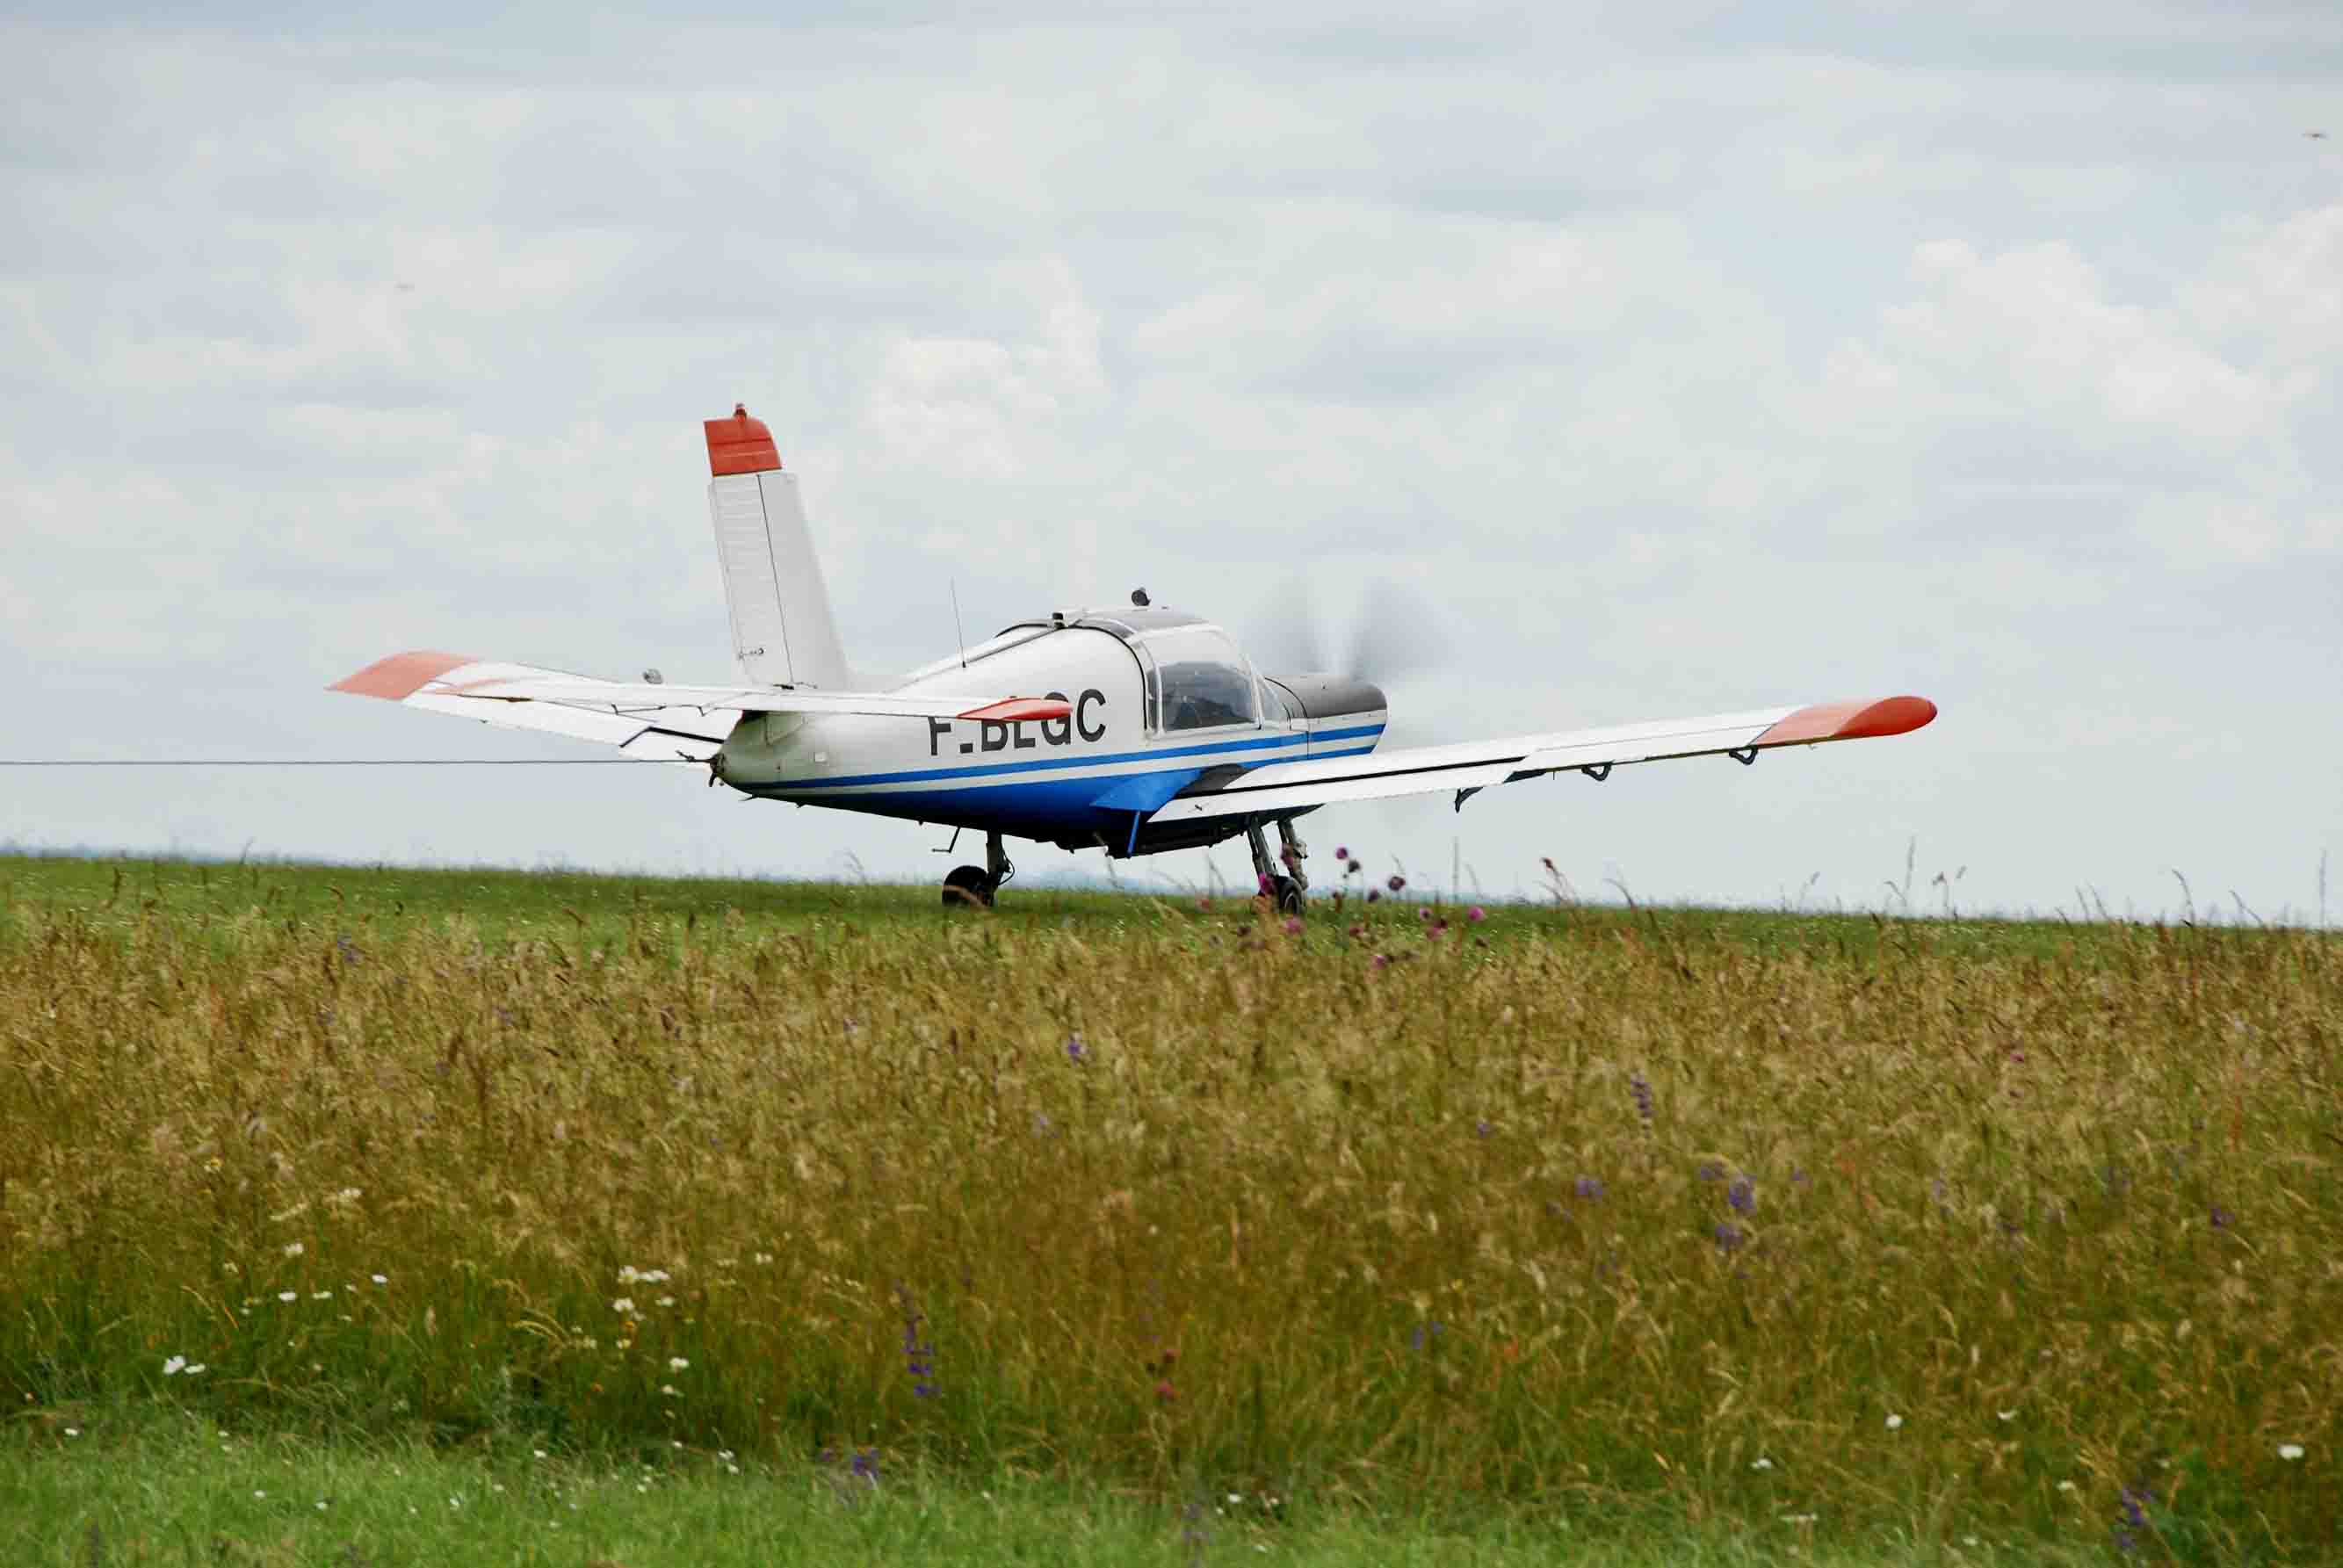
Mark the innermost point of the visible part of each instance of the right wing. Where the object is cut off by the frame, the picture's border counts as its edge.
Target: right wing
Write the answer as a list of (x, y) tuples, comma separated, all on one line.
[(1476, 765), (641, 718)]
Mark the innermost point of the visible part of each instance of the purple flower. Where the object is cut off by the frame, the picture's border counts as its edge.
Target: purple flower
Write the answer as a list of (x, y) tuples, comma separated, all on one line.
[(1476, 914), (1642, 1093), (1379, 962), (1742, 1195), (1589, 1188), (1396, 881), (1267, 887), (1482, 1128), (1711, 1171), (2222, 1218), (1425, 1334), (1373, 894), (919, 1356), (865, 1465), (1728, 1237), (1292, 924), (1076, 1052), (1340, 852)]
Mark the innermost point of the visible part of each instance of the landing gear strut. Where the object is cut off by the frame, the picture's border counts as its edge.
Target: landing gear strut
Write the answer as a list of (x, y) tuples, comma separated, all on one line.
[(1285, 887), (976, 887)]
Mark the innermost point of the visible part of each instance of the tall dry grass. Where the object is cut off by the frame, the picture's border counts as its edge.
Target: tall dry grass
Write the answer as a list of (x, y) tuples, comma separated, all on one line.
[(1609, 1214)]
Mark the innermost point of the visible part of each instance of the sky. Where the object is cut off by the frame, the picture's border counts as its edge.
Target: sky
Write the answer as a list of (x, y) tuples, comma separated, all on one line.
[(1623, 361)]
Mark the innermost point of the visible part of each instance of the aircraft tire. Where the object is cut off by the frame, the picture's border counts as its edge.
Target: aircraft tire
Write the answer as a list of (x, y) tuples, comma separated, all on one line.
[(968, 887), (1288, 894)]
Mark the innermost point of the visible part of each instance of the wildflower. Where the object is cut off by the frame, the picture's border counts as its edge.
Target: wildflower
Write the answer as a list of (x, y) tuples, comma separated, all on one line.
[(625, 1304), (2289, 1450), (2065, 1486), (175, 1366), (2006, 1415), (1396, 881), (379, 1278), (2133, 1500), (1800, 1518), (258, 1492), (295, 1249), (666, 1300), (1894, 1421), (196, 1369), (677, 1363), (919, 1356), (1379, 962), (321, 1296), (2222, 1218), (866, 1465), (1728, 1238), (672, 1392), (538, 1451), (1375, 895), (1761, 1463), (1292, 924), (1643, 1095), (1268, 889), (73, 1431), (1076, 1052), (1482, 1128), (1742, 1195), (1476, 914), (1342, 852), (289, 1295), (1588, 1187)]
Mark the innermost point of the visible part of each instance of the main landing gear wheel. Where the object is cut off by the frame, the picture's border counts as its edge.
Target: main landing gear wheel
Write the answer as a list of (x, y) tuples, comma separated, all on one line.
[(976, 887), (1287, 894), (968, 887)]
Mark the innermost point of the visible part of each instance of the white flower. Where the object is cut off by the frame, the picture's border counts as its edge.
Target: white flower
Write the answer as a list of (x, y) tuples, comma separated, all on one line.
[(2289, 1450), (1968, 1540), (666, 1300), (289, 1295), (321, 1505), (175, 1366), (321, 1296), (538, 1451), (623, 1304), (195, 1369), (380, 1280), (1894, 1421), (628, 1274), (2006, 1415), (1800, 1518), (294, 1248), (672, 1392), (73, 1431), (1761, 1463), (2065, 1486), (258, 1492), (1235, 1498), (725, 1454), (677, 1363)]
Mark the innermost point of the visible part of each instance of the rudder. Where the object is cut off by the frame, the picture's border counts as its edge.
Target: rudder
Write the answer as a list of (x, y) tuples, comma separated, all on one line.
[(783, 633)]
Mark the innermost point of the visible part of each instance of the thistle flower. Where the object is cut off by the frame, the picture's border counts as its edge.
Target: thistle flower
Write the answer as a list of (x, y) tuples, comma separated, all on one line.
[(1292, 924), (1476, 914), (1396, 881), (1342, 852), (1375, 895), (1742, 1195)]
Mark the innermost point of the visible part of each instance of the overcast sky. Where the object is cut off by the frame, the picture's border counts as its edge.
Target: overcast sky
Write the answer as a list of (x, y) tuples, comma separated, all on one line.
[(1678, 359)]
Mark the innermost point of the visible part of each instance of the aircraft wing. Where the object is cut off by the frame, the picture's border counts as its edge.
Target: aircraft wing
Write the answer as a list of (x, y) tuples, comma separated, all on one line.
[(1476, 765), (641, 718)]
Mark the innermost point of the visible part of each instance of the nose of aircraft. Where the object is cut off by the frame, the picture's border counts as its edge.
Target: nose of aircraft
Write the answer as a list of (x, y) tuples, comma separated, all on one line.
[(1331, 696)]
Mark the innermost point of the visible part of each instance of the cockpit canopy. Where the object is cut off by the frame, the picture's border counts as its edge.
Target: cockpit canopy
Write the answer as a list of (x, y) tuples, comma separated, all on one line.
[(1197, 679)]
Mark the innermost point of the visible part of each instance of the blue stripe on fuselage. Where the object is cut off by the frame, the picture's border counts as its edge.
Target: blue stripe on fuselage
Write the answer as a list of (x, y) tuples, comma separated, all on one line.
[(1055, 764)]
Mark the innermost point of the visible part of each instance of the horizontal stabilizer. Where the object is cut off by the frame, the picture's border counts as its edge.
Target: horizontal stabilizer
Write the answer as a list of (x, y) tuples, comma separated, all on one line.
[(682, 720)]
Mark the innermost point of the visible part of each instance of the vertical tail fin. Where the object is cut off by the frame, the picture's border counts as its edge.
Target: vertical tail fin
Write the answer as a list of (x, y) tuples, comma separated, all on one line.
[(783, 633)]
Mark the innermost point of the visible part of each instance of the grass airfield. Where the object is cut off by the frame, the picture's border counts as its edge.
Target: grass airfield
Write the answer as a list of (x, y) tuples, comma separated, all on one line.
[(1643, 1235)]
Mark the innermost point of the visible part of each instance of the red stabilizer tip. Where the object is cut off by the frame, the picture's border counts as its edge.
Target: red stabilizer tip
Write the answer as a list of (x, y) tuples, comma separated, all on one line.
[(402, 675), (740, 445), (1011, 709), (1851, 721)]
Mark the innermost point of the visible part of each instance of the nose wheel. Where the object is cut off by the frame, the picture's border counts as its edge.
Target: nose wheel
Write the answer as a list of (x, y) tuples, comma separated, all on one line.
[(977, 887)]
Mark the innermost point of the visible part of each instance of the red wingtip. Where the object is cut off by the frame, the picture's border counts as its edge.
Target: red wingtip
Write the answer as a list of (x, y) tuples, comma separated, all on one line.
[(1011, 709), (402, 675), (740, 445), (1851, 721)]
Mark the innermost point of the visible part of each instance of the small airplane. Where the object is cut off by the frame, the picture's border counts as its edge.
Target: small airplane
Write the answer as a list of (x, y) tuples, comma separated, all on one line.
[(1134, 729)]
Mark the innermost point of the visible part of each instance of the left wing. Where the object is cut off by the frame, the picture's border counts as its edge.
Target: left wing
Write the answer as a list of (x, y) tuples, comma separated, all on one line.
[(1476, 765)]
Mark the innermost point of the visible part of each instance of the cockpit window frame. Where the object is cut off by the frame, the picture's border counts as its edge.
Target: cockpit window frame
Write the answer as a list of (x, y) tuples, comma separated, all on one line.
[(1150, 645)]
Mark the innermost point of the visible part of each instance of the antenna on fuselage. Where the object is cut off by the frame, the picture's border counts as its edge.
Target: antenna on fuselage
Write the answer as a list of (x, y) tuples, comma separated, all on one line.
[(958, 635)]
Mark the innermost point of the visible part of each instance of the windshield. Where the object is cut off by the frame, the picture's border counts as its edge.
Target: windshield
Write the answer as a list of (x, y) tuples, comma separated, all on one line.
[(1200, 680)]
